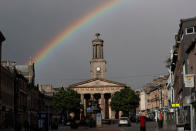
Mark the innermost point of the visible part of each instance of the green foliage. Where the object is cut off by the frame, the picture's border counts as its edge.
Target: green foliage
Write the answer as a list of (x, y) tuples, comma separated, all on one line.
[(124, 100), (67, 101)]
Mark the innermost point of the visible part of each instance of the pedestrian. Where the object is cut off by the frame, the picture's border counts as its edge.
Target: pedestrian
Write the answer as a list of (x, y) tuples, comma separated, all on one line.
[(161, 120), (26, 125), (142, 123)]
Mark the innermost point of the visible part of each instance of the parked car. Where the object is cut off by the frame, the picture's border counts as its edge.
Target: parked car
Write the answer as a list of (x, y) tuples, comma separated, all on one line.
[(124, 121)]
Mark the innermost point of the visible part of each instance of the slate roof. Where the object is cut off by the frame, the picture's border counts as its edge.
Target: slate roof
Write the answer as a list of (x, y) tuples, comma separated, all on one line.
[(186, 39), (188, 19)]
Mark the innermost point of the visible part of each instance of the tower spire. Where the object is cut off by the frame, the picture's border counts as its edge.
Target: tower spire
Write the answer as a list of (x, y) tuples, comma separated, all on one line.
[(98, 64)]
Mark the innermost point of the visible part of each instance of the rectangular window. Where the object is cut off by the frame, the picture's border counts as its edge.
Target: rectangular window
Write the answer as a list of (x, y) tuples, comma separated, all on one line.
[(189, 30)]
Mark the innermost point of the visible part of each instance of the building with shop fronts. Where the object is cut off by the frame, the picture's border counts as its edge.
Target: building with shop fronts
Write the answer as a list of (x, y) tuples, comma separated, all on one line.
[(2, 38), (182, 65), (7, 97), (191, 69), (7, 78), (98, 88), (154, 98)]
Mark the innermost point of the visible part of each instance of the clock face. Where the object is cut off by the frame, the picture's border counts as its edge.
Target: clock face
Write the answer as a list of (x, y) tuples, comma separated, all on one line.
[(98, 69)]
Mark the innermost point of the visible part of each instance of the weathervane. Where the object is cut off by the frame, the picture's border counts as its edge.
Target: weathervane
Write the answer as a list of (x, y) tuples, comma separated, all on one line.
[(97, 35)]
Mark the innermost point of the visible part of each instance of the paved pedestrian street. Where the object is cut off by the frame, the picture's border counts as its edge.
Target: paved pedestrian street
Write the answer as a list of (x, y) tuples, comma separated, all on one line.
[(150, 126)]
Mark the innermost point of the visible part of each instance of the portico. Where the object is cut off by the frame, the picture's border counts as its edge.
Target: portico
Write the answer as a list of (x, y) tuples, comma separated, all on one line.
[(99, 90)]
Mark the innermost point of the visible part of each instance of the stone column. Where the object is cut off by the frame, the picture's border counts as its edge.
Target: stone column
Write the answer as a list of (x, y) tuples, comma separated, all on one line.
[(82, 99), (101, 52), (102, 106), (81, 102), (92, 97), (94, 52), (112, 112), (98, 51), (84, 107)]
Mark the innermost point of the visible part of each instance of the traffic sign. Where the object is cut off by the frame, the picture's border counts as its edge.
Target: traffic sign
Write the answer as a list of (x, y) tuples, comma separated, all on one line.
[(89, 110)]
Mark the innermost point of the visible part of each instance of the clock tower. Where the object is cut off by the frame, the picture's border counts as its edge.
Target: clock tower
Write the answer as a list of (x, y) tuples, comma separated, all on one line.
[(98, 64)]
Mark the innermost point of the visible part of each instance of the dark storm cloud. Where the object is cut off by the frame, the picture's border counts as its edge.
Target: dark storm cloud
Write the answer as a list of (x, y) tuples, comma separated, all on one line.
[(137, 33), (28, 25)]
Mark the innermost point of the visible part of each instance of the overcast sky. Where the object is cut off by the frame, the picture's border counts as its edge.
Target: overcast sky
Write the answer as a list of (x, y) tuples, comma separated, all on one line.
[(137, 34)]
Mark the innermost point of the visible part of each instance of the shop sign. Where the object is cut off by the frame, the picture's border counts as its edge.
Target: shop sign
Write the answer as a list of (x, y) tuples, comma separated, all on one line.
[(89, 110), (175, 105), (189, 80), (171, 110)]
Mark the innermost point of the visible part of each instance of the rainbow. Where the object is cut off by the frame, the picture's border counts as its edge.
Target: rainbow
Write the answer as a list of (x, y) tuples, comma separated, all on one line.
[(70, 29)]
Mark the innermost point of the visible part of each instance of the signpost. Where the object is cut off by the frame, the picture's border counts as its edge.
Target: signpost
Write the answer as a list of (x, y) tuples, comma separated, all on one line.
[(189, 80), (98, 120), (89, 110)]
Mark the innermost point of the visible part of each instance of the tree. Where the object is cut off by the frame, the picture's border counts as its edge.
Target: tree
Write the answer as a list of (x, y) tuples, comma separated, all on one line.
[(124, 100), (66, 101)]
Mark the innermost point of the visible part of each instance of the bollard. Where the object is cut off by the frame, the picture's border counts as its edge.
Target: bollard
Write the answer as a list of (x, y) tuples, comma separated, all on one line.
[(142, 123)]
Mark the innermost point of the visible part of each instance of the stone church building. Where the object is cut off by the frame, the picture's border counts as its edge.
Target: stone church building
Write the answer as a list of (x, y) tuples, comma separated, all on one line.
[(98, 88)]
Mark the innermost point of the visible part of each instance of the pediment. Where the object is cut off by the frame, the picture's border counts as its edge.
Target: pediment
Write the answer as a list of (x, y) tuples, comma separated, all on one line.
[(97, 83)]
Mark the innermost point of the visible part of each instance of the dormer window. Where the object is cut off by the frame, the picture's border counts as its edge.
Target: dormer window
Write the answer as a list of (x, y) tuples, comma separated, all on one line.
[(190, 30)]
